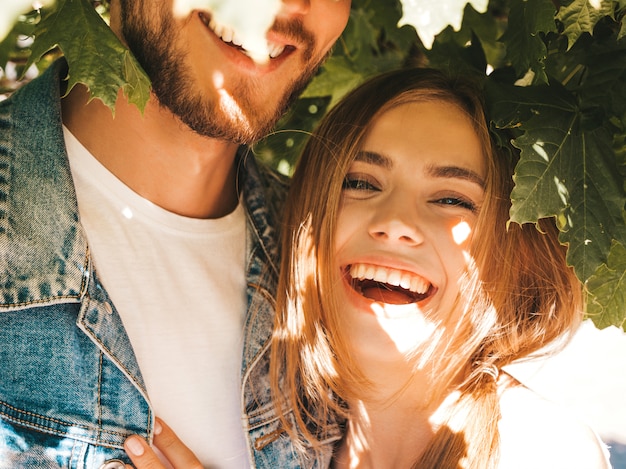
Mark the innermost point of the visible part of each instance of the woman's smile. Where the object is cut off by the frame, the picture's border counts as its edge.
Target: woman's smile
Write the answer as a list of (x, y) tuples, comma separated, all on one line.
[(388, 285)]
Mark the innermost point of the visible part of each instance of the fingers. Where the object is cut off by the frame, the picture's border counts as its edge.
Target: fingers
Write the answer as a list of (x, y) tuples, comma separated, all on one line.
[(142, 456), (166, 441), (173, 448)]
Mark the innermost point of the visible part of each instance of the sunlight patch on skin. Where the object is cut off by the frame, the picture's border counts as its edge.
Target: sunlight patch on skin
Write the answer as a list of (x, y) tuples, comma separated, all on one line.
[(359, 440), (461, 232), (406, 325), (218, 80), (249, 19), (228, 104)]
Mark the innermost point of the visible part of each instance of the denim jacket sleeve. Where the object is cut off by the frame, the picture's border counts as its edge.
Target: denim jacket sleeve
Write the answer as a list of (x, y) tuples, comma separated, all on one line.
[(70, 387)]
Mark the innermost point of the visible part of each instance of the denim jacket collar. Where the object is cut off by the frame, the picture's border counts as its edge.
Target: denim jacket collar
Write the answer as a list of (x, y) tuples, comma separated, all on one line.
[(45, 252)]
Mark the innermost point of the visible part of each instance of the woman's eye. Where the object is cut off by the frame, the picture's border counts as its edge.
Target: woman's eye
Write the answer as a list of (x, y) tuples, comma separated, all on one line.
[(358, 184), (457, 202)]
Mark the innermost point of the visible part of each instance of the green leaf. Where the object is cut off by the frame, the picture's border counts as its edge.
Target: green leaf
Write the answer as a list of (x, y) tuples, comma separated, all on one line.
[(525, 47), (581, 16), (360, 36), (565, 171), (95, 56), (336, 78), (597, 201), (607, 290), (371, 43), (604, 82), (449, 55)]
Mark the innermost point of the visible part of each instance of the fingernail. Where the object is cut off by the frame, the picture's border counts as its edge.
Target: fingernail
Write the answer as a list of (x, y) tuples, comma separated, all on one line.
[(134, 446), (157, 427)]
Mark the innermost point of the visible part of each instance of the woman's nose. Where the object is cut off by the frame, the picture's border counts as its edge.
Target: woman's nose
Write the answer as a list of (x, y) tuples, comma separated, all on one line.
[(396, 225), (296, 7)]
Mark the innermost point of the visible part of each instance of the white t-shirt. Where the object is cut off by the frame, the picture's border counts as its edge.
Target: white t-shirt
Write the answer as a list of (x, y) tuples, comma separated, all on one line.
[(179, 286)]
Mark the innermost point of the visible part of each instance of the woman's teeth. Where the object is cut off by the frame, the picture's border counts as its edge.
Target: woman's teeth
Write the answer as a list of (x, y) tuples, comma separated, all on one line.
[(397, 278)]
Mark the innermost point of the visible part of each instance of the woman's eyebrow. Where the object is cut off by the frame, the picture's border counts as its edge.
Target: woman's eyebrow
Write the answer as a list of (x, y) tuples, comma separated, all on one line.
[(374, 158), (437, 171), (456, 172)]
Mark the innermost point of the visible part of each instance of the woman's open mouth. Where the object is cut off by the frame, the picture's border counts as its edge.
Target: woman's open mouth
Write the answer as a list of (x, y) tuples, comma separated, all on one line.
[(387, 285)]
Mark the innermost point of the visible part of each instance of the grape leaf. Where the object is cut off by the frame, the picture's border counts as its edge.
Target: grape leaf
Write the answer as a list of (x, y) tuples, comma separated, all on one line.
[(597, 201), (581, 16), (607, 290), (95, 56), (371, 43), (564, 171), (525, 47), (336, 79)]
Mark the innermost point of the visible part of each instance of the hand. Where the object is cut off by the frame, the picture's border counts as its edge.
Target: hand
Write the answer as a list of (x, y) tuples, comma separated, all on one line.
[(176, 453)]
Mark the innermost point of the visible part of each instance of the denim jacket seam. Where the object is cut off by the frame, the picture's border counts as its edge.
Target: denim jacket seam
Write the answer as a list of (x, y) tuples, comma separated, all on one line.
[(46, 429), (94, 337), (99, 394), (53, 299)]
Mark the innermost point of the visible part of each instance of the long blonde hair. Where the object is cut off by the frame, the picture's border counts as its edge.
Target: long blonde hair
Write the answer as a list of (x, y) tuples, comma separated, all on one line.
[(523, 295)]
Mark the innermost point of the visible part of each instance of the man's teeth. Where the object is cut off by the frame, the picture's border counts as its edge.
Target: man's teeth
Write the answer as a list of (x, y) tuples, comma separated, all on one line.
[(275, 50), (397, 278), (227, 34)]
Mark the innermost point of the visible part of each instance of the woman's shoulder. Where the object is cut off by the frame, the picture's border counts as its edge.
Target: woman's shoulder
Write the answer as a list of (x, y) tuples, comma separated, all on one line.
[(538, 433)]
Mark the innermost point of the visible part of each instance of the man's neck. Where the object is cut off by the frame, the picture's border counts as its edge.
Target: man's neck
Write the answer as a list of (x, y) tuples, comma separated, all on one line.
[(156, 155)]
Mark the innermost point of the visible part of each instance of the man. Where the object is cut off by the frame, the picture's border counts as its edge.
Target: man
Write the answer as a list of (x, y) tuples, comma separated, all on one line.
[(133, 245)]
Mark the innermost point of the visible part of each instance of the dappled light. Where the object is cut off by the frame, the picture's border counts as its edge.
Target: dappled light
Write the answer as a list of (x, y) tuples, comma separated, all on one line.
[(461, 232), (596, 4), (228, 104), (406, 325), (540, 150), (46, 450), (230, 107), (561, 188)]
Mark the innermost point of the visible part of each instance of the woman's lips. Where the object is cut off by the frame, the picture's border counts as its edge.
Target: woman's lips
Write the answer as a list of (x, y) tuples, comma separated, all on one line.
[(388, 285)]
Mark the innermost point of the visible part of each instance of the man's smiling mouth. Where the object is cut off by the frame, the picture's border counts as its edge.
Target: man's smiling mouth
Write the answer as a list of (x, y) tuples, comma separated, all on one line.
[(229, 36), (387, 285)]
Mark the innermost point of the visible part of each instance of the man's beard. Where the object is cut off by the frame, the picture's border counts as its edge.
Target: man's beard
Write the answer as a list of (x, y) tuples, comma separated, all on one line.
[(157, 52)]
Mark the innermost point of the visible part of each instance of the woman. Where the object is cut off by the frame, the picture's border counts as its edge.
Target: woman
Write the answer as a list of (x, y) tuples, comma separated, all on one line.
[(403, 292)]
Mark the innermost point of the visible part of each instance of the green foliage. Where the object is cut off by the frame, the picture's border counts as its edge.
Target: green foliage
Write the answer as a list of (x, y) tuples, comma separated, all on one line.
[(525, 47), (555, 78), (581, 16), (607, 290), (96, 56)]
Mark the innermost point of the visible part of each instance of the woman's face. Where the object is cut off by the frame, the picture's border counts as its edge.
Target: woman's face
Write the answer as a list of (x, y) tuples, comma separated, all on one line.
[(409, 204)]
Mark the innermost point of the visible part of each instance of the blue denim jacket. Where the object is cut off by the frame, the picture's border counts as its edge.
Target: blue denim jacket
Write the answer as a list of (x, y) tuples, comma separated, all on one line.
[(70, 387)]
